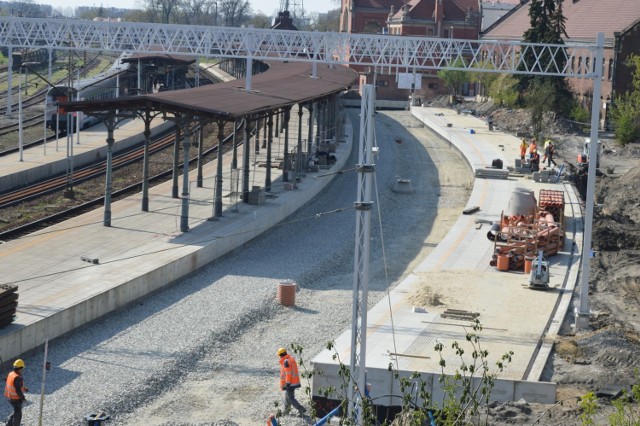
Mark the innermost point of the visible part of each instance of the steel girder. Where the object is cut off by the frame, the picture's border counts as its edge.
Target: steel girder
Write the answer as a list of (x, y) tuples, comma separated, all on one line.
[(374, 50)]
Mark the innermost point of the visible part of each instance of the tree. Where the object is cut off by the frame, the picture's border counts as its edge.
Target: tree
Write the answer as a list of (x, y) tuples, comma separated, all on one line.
[(454, 79), (326, 22), (162, 11), (198, 12), (234, 12), (626, 108), (503, 91), (485, 79), (260, 20), (547, 26), (539, 100)]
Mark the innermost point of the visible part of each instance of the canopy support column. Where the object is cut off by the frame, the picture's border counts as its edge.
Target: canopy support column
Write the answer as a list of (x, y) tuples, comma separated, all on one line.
[(186, 144), (110, 123), (218, 200)]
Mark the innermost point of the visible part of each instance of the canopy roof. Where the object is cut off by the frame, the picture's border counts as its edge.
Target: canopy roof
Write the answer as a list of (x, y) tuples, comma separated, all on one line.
[(282, 85)]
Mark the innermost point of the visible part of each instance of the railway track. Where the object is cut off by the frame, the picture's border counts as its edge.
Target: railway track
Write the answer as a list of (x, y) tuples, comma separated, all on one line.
[(36, 99), (82, 175)]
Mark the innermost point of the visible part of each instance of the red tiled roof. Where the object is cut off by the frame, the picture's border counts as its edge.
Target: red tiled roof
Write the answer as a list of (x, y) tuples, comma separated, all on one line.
[(454, 10), (378, 4), (585, 18)]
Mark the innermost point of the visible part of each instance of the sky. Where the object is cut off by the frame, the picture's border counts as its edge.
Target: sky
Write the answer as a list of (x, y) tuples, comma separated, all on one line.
[(268, 7)]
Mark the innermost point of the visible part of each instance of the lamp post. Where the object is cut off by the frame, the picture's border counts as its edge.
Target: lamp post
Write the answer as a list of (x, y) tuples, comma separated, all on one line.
[(20, 131)]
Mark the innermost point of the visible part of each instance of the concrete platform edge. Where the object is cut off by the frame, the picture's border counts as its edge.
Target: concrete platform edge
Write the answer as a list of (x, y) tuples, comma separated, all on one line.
[(17, 339)]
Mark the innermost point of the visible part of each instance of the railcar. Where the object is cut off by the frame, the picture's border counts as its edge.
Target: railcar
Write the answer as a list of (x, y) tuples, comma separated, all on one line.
[(118, 80)]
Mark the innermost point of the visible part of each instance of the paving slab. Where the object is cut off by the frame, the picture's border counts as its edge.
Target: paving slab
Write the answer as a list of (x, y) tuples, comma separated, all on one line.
[(403, 330)]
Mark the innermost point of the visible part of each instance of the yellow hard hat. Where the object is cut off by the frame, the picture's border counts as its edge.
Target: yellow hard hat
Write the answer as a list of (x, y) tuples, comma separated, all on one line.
[(18, 363), (282, 351)]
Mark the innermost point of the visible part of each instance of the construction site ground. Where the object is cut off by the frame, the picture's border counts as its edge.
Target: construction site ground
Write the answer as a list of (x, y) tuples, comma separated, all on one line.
[(213, 336)]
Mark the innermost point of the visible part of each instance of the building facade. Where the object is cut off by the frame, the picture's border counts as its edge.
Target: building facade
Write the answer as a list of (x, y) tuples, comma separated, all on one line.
[(619, 20), (460, 19)]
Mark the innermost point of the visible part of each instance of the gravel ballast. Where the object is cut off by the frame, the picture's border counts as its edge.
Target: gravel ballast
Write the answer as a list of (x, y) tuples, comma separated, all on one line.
[(202, 352)]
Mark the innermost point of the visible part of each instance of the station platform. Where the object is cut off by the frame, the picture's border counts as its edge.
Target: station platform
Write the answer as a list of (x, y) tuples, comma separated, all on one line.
[(78, 270), (403, 330)]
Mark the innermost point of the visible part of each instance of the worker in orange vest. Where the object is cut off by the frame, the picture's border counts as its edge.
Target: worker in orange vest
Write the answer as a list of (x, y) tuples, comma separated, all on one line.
[(289, 381), (14, 390), (532, 147), (523, 149)]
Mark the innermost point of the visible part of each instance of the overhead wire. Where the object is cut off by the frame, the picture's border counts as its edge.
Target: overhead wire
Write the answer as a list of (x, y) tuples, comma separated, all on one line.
[(191, 243), (384, 255)]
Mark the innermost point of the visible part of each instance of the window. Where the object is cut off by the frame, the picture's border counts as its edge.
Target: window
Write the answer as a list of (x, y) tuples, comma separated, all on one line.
[(580, 65), (433, 86), (610, 76), (587, 65), (382, 83), (430, 31)]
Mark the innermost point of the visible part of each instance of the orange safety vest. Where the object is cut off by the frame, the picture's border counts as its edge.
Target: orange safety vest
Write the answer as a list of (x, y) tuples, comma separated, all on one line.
[(523, 148), (289, 372), (532, 147), (9, 389)]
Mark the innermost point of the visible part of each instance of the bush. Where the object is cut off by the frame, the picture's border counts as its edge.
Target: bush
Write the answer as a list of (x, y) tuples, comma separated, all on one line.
[(504, 92), (579, 113)]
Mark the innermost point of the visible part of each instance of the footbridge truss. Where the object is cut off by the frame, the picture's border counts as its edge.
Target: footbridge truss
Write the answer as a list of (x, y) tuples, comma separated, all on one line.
[(383, 52), (374, 50)]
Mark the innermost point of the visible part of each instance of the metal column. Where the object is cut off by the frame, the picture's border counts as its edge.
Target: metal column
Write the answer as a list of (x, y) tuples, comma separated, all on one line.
[(245, 161), (218, 200), (363, 207), (145, 161), (186, 143), (267, 180), (285, 160), (110, 123), (583, 312)]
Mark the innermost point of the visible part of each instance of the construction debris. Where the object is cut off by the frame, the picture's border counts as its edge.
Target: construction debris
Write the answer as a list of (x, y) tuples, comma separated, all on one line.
[(519, 237)]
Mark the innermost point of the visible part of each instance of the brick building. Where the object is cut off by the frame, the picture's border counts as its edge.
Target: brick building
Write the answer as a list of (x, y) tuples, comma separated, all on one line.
[(458, 19), (618, 19)]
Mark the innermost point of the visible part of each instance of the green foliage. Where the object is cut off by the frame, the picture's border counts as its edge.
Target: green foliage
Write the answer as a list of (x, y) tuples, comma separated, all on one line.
[(539, 100), (579, 113), (260, 20), (465, 391), (504, 92), (454, 79), (329, 21), (486, 79), (589, 405), (547, 25), (626, 109)]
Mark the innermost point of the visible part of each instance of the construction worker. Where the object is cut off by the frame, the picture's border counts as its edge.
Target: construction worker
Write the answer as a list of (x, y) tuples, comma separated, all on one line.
[(535, 161), (547, 143), (14, 390), (532, 147), (523, 149), (289, 381), (551, 151)]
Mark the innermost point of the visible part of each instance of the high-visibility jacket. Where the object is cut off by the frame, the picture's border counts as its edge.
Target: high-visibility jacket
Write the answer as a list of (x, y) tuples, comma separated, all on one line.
[(533, 147), (10, 389), (289, 372), (523, 148)]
